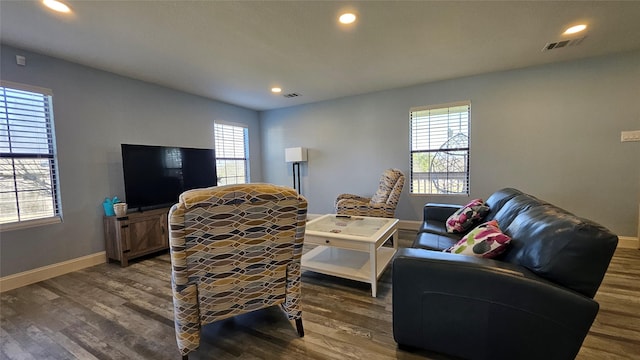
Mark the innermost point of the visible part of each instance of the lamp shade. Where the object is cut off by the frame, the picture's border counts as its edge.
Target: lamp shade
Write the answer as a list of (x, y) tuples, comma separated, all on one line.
[(297, 154)]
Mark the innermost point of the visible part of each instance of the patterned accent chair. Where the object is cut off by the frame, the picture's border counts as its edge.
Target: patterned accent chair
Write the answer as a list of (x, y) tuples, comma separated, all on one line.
[(382, 204), (234, 249)]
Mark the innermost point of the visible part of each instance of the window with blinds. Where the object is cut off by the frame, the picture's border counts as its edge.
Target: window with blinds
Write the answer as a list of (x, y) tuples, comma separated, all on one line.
[(440, 148), (28, 174), (232, 153)]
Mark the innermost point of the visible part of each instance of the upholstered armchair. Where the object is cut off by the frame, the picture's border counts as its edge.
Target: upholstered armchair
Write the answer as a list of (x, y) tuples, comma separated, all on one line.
[(382, 204), (234, 249)]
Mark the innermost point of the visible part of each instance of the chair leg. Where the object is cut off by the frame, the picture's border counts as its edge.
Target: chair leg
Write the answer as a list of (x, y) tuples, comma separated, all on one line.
[(299, 327), (185, 357)]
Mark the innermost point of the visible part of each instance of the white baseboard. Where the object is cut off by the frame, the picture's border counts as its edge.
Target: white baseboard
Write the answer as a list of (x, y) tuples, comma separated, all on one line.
[(628, 242), (50, 271)]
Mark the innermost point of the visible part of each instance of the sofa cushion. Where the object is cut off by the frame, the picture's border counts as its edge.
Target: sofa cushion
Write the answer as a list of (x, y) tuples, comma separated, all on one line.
[(513, 207), (437, 227), (561, 247), (435, 241), (463, 219), (486, 240), (498, 199)]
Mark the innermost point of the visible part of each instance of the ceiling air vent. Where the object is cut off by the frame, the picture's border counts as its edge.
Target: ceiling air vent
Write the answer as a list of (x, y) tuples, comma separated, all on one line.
[(563, 44), (291, 95)]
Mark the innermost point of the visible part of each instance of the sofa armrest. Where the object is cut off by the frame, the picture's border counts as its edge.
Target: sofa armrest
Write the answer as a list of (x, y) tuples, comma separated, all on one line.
[(439, 212), (484, 309)]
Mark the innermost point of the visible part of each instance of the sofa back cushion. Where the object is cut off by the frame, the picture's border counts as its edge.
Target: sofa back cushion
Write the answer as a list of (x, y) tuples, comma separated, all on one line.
[(497, 200), (559, 246), (514, 207)]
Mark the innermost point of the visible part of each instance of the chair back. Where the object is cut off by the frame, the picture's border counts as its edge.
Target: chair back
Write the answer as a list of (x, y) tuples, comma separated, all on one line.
[(234, 249), (389, 188)]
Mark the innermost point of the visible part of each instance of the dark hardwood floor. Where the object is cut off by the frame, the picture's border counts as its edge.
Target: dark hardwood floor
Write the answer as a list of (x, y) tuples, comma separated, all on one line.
[(109, 312)]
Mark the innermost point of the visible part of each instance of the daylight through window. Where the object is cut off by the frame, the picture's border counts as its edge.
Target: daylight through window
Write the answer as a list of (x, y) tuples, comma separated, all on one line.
[(440, 149), (232, 153), (28, 175)]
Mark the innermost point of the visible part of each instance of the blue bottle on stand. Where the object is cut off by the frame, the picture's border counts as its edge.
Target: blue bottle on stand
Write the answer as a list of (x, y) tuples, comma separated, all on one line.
[(107, 204)]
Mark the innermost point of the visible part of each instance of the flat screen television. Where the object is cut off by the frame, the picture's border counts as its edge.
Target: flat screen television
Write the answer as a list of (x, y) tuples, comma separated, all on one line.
[(155, 176)]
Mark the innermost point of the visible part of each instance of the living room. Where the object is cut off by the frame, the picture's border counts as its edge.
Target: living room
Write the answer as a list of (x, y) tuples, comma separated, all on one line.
[(552, 130)]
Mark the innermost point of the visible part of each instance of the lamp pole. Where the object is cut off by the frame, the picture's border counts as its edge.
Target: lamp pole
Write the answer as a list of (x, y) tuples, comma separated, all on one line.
[(295, 156), (296, 176)]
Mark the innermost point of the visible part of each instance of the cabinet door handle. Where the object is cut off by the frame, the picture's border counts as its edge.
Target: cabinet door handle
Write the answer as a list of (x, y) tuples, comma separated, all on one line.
[(124, 226)]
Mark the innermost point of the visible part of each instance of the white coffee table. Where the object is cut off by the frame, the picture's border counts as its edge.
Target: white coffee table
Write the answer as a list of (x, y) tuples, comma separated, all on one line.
[(350, 247)]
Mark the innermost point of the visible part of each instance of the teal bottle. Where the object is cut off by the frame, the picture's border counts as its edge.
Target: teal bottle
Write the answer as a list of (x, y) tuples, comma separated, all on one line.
[(107, 204)]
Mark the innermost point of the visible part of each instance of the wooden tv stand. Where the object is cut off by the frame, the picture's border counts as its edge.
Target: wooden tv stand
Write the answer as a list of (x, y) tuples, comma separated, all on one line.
[(135, 235)]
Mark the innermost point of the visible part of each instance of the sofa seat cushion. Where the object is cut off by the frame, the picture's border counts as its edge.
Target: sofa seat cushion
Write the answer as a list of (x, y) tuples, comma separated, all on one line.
[(435, 241), (437, 227)]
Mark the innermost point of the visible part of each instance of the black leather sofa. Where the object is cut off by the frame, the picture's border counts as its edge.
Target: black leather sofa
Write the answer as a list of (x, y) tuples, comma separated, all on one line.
[(535, 301)]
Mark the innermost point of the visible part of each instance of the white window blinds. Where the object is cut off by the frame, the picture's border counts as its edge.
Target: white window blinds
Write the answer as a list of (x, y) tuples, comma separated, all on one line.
[(232, 153), (440, 149), (28, 174)]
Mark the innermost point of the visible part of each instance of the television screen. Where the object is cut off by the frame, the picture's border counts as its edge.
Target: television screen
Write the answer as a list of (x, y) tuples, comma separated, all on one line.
[(155, 176)]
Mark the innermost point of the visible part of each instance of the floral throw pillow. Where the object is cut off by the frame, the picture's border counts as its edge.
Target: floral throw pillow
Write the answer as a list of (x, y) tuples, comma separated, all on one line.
[(463, 219), (486, 240)]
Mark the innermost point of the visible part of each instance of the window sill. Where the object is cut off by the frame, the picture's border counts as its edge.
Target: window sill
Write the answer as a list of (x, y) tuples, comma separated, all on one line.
[(30, 223)]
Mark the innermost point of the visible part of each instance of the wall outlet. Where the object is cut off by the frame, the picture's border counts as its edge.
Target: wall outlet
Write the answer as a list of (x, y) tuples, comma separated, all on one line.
[(630, 136)]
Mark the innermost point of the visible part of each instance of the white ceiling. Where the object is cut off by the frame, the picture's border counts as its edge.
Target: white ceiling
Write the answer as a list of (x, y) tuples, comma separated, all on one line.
[(235, 51)]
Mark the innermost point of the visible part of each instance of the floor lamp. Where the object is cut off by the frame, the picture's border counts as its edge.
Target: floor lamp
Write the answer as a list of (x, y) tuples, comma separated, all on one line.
[(296, 156)]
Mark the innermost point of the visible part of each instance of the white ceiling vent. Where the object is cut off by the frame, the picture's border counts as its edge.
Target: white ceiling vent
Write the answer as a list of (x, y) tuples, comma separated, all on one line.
[(291, 95), (563, 44)]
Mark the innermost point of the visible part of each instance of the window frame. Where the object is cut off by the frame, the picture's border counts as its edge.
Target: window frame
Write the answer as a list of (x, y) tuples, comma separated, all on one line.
[(219, 151), (51, 156), (464, 151)]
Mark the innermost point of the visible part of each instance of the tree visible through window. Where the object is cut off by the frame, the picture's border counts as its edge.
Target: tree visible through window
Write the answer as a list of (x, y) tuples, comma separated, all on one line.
[(232, 153), (440, 149), (28, 179)]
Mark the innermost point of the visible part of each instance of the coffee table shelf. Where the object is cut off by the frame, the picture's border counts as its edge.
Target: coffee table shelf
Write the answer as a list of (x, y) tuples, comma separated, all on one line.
[(351, 248), (348, 264)]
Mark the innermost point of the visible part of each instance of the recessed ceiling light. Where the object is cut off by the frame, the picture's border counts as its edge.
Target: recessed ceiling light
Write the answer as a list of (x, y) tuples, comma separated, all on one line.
[(276, 90), (347, 18), (575, 29), (56, 5)]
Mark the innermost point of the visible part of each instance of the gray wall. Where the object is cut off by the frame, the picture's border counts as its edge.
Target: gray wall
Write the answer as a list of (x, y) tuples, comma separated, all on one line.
[(95, 112), (552, 131)]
